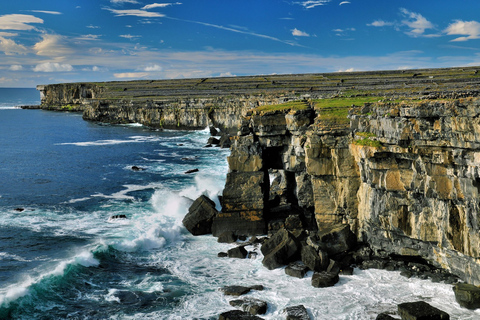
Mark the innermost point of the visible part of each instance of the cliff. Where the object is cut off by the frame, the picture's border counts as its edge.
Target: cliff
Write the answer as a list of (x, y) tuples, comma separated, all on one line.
[(394, 155)]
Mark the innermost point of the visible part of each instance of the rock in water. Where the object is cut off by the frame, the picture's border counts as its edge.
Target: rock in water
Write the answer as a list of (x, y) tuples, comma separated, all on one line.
[(251, 305), (191, 171), (297, 313), (198, 220), (324, 279), (239, 290), (227, 237), (384, 316), (316, 261), (467, 295), (237, 315), (421, 311), (237, 252), (336, 239), (279, 250), (296, 269)]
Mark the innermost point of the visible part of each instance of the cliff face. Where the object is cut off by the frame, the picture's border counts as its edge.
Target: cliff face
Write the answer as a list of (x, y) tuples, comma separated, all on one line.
[(413, 192), (68, 97)]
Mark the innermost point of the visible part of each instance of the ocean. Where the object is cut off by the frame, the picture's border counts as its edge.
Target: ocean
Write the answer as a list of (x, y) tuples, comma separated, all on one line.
[(62, 256)]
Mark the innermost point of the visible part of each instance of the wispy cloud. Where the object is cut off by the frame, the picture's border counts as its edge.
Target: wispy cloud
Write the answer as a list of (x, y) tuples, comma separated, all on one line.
[(52, 67), (10, 47), (136, 13), (16, 67), (159, 5), (468, 29), (380, 23), (237, 31), (298, 33), (52, 45), (416, 22), (89, 37), (45, 11), (129, 36), (18, 21), (312, 3), (131, 75), (93, 27), (152, 68), (344, 2)]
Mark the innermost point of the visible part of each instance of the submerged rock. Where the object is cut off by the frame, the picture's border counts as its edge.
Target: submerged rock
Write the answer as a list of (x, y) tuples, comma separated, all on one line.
[(421, 311), (467, 295), (296, 313), (135, 168), (250, 305), (198, 220), (237, 315)]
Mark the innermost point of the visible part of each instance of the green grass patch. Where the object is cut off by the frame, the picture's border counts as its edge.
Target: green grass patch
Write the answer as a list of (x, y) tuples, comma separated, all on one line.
[(368, 143), (291, 105), (366, 134)]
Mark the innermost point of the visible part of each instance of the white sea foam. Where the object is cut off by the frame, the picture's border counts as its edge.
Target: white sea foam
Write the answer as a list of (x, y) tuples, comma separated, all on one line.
[(133, 139), (9, 256)]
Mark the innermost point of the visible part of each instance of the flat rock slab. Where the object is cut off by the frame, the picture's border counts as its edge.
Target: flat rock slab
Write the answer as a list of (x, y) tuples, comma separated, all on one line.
[(296, 269), (297, 313), (250, 305), (324, 279), (237, 315), (467, 295), (239, 290), (421, 311), (237, 252)]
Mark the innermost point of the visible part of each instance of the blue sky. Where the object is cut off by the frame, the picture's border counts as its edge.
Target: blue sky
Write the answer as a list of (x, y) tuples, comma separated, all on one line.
[(52, 41)]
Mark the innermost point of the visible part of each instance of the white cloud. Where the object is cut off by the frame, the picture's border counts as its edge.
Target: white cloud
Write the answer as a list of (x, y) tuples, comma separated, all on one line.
[(152, 68), (94, 69), (380, 23), (312, 3), (47, 12), (133, 75), (159, 5), (347, 70), (129, 36), (344, 2), (10, 47), (136, 13), (8, 34), (227, 74), (52, 67), (16, 67), (18, 21), (52, 45), (469, 29), (89, 37), (416, 22), (93, 27), (298, 33)]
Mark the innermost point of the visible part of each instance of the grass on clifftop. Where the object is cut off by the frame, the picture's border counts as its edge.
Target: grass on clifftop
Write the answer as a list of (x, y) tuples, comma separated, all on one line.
[(292, 105)]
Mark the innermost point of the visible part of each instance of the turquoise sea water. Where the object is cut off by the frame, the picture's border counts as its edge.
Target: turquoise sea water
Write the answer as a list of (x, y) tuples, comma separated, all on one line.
[(63, 257)]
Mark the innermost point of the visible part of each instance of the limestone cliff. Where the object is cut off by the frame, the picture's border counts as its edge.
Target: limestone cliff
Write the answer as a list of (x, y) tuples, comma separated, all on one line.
[(404, 176)]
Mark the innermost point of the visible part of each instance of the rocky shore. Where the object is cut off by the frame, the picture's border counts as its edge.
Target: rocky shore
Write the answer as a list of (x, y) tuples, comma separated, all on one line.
[(327, 172)]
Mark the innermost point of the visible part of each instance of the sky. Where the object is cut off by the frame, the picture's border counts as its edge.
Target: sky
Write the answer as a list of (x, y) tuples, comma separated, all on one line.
[(55, 41)]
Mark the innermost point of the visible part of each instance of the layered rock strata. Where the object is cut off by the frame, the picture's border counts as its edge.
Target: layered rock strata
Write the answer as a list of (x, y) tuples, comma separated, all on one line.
[(412, 192)]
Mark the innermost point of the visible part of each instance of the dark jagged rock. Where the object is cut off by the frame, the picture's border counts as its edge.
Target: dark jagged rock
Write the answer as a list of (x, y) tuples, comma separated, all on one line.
[(191, 171), (250, 305), (279, 250), (324, 279), (237, 252), (19, 209), (296, 313), (239, 290), (213, 141), (198, 220), (227, 237), (296, 269), (213, 131), (467, 295), (135, 168), (237, 315), (421, 311), (225, 141), (118, 216), (313, 259), (222, 255), (336, 239)]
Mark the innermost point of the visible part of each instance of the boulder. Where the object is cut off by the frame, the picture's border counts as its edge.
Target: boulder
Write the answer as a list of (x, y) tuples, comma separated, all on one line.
[(324, 279), (279, 250), (239, 290), (316, 261), (198, 220), (237, 252), (237, 315), (336, 238), (213, 140), (222, 255), (227, 237), (213, 130), (293, 222), (421, 310), (296, 269), (250, 305), (467, 295), (296, 313)]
